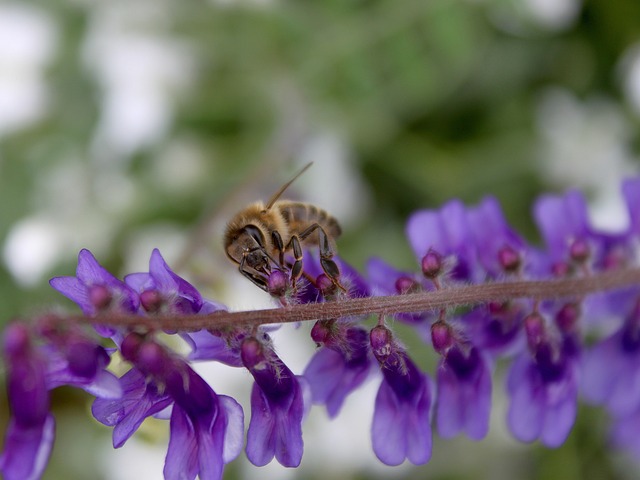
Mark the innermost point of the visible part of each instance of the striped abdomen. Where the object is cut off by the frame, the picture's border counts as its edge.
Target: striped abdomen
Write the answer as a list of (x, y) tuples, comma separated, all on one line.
[(299, 216)]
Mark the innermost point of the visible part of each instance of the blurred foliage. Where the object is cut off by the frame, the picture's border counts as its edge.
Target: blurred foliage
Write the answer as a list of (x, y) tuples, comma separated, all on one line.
[(432, 99)]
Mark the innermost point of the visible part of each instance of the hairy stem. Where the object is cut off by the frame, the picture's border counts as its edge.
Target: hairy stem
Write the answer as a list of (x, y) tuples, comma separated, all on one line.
[(410, 303)]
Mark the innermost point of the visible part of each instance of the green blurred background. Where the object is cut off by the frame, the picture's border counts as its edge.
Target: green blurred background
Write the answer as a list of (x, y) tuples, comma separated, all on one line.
[(126, 125)]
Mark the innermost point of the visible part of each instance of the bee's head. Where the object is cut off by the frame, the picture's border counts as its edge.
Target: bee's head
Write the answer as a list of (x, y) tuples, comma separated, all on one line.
[(248, 243)]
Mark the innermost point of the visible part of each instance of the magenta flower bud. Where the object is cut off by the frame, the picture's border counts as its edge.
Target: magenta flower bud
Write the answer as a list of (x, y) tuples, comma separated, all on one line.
[(251, 352), (432, 264), (497, 308), (579, 251), (614, 260), (567, 317), (277, 283), (560, 269), (381, 340), (406, 284), (47, 326), (322, 331), (509, 259), (17, 340), (442, 337), (100, 296), (534, 328), (151, 300), (153, 359), (324, 284), (131, 345)]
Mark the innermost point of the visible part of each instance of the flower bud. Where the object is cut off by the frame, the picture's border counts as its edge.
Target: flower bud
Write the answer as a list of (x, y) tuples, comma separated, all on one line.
[(579, 251), (381, 340), (277, 283), (560, 269), (17, 339), (153, 359), (567, 317), (406, 284), (251, 352), (151, 300), (432, 264), (509, 259), (322, 331), (100, 296), (534, 328), (131, 345), (441, 336)]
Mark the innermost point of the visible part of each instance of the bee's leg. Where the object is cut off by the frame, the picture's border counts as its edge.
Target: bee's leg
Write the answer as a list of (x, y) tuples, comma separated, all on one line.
[(256, 279), (326, 254), (329, 267), (277, 241), (296, 268)]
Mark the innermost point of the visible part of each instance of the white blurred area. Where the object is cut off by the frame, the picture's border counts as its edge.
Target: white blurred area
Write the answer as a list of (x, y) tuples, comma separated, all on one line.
[(140, 69), (585, 144), (28, 41), (629, 72)]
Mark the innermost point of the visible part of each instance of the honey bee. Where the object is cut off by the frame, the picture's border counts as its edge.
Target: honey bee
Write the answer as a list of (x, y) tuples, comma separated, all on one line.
[(260, 235)]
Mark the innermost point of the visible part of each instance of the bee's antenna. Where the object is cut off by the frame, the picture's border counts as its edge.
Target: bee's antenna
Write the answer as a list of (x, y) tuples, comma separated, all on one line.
[(276, 195)]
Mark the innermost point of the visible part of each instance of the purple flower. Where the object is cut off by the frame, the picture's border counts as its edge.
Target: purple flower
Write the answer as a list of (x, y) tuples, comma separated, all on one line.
[(611, 369), (162, 289), (464, 393), (570, 240), (573, 243), (140, 399), (277, 407), (222, 347), (386, 280), (323, 288), (206, 429), (499, 248), (73, 358), (624, 433), (445, 231), (401, 419), (543, 386), (340, 366), (496, 328), (562, 220), (94, 289), (207, 346), (27, 449), (70, 358), (30, 434)]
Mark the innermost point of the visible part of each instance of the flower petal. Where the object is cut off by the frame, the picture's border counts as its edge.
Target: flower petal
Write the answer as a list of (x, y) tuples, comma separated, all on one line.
[(234, 432), (74, 290), (388, 427), (211, 347), (526, 410), (558, 421), (27, 450), (261, 436), (181, 462)]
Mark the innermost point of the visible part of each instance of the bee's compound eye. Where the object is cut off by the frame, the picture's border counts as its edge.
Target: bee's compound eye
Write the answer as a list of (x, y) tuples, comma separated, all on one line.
[(255, 233)]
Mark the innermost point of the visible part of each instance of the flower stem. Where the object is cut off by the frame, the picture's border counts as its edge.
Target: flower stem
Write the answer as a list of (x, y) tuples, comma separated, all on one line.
[(448, 297)]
